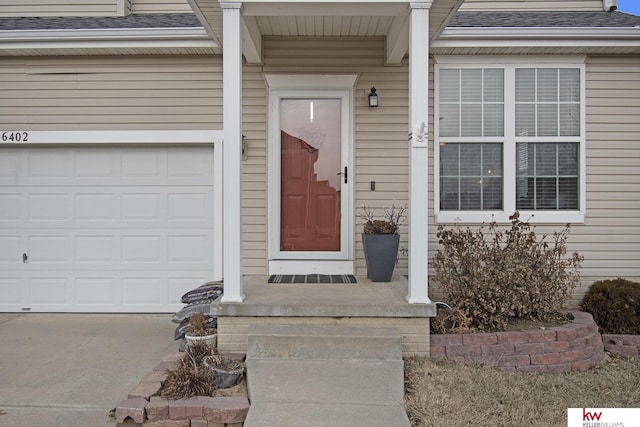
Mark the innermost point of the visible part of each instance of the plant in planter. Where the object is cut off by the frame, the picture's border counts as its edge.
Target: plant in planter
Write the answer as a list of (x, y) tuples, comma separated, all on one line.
[(225, 372), (202, 372), (380, 240), (200, 330)]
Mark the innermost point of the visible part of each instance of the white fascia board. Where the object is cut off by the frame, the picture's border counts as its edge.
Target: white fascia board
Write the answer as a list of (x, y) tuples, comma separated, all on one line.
[(543, 37), (108, 38)]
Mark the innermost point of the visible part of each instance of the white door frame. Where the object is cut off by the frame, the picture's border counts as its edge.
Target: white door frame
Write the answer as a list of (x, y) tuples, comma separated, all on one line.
[(303, 87)]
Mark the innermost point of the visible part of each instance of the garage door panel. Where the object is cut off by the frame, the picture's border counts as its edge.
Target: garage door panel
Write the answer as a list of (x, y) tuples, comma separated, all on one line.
[(49, 291), (142, 163), (142, 249), (192, 250), (96, 165), (141, 291), (141, 207), (11, 250), (49, 250), (11, 292), (97, 249), (96, 207), (106, 229), (184, 165), (48, 207), (49, 165), (11, 208), (9, 166), (189, 207), (96, 291)]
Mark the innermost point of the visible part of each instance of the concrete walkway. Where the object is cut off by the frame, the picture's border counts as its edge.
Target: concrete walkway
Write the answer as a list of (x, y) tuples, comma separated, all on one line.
[(71, 369)]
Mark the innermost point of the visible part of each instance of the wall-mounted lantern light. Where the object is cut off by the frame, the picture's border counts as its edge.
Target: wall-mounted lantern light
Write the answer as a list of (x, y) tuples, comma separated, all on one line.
[(373, 98)]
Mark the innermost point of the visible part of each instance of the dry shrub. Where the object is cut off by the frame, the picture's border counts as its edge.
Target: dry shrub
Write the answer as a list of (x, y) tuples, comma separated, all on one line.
[(455, 322), (191, 378), (501, 275), (199, 325), (614, 305)]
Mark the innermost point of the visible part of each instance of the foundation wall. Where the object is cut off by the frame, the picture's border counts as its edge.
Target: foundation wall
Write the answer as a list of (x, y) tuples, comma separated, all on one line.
[(233, 331)]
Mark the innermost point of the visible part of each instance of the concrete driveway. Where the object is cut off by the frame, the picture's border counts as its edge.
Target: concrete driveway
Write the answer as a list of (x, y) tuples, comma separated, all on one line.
[(71, 369)]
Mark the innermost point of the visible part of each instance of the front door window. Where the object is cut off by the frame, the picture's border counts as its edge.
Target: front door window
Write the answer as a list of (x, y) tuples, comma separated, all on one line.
[(311, 175)]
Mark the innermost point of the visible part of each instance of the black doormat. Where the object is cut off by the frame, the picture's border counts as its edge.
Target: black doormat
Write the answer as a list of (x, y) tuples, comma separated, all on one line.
[(312, 278)]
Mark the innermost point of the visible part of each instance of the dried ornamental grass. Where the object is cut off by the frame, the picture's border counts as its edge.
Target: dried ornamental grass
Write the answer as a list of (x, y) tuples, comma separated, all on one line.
[(191, 378), (393, 218)]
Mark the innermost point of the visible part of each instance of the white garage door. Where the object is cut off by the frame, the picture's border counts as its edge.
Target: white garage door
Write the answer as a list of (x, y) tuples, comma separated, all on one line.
[(105, 229)]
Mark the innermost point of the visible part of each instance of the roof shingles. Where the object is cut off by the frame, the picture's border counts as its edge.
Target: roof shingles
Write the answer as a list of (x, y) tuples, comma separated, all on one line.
[(545, 19), (173, 20)]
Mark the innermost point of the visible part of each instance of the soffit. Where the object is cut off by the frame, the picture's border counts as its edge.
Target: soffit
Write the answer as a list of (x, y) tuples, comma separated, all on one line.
[(325, 19)]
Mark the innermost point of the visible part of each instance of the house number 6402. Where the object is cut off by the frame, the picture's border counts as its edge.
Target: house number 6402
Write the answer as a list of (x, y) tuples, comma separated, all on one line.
[(15, 137)]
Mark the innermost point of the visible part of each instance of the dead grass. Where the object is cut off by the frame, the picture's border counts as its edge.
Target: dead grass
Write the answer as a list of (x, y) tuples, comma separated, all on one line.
[(443, 393)]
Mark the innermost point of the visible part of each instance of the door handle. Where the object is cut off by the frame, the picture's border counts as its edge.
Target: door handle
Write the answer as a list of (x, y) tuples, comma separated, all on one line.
[(25, 257), (345, 173)]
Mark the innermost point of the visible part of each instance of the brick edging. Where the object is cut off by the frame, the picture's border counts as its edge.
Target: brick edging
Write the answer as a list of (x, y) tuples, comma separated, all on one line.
[(143, 408), (627, 346), (576, 346)]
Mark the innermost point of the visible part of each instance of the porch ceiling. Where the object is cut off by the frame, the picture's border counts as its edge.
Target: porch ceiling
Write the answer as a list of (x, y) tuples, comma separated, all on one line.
[(334, 18)]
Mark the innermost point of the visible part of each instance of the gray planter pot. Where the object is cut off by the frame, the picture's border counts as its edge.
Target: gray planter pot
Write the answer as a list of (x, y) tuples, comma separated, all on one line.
[(380, 253)]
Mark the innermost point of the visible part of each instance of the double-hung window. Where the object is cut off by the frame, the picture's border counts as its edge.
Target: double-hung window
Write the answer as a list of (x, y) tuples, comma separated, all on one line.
[(509, 137)]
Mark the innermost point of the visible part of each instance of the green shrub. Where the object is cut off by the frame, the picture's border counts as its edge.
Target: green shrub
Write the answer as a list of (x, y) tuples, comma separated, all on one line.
[(505, 274), (614, 305)]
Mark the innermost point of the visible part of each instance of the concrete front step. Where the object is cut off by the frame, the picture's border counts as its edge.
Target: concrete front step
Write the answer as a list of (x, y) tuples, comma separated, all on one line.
[(287, 414), (324, 342), (326, 381), (325, 375)]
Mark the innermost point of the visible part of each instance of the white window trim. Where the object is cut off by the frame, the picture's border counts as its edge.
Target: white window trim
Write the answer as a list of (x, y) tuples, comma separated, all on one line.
[(509, 64)]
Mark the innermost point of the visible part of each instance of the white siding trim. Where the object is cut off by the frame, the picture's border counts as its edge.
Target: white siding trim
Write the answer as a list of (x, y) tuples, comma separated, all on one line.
[(118, 137)]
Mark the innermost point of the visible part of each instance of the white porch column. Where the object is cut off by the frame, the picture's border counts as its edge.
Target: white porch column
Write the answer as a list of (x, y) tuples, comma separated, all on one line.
[(232, 151), (418, 151)]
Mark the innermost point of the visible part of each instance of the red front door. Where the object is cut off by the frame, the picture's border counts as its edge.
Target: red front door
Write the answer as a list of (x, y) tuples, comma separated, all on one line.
[(310, 175)]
